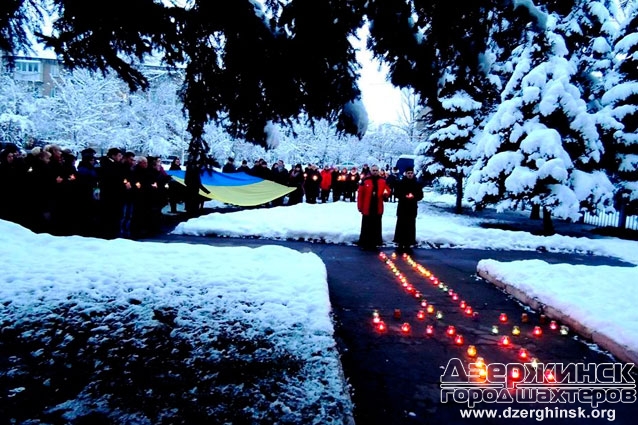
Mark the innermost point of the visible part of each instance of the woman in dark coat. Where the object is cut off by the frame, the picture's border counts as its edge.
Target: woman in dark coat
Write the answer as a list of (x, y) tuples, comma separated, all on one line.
[(409, 192)]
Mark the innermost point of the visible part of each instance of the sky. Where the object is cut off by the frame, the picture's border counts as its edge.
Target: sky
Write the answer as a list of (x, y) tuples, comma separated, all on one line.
[(381, 99), (207, 287)]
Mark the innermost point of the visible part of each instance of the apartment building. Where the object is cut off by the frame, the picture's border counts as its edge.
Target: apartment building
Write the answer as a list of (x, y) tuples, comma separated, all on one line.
[(39, 71)]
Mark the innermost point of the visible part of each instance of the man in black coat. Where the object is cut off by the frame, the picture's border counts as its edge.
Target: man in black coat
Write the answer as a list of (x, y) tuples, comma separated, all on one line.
[(408, 192)]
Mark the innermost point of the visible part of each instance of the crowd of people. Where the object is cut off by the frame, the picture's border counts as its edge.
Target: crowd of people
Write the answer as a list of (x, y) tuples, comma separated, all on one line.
[(313, 184), (122, 194), (118, 195)]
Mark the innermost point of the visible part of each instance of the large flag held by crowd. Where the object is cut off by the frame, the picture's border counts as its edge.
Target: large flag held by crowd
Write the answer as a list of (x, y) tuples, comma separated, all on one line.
[(236, 188)]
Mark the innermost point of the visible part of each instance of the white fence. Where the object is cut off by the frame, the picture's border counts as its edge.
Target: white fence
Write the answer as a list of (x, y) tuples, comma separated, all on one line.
[(610, 220)]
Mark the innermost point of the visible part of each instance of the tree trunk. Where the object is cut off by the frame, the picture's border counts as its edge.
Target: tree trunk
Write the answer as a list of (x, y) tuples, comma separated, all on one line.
[(536, 212), (548, 225), (459, 194)]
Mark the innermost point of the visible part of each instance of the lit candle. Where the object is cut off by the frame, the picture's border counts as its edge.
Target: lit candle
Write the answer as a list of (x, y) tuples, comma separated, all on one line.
[(516, 330), (515, 373), (549, 376), (495, 329), (424, 302), (439, 315), (523, 354), (502, 318), (381, 326), (463, 304), (480, 362), (534, 362), (417, 294), (564, 330), (429, 330), (505, 341), (537, 331), (553, 325), (458, 340), (405, 328), (468, 310), (455, 297), (420, 315), (430, 309), (451, 330), (471, 351)]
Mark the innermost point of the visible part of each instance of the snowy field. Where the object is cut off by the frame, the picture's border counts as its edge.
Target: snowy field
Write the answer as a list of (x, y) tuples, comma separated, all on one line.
[(125, 332)]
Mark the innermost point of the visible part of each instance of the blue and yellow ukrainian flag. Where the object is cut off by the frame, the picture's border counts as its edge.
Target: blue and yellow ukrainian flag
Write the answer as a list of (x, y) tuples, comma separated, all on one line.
[(236, 188)]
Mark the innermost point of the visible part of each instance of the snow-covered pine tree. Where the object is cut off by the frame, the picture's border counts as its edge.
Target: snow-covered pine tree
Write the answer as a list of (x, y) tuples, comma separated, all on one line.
[(446, 151), (589, 32), (541, 144), (620, 118)]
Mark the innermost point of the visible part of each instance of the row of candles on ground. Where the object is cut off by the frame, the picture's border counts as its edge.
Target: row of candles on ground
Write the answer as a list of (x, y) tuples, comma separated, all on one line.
[(429, 330), (458, 339), (467, 309)]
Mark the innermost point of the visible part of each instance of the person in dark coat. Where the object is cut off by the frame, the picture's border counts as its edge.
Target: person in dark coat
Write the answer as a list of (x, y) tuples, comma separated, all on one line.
[(408, 192), (87, 204), (371, 194), (296, 181), (312, 183), (229, 166), (193, 181), (113, 183)]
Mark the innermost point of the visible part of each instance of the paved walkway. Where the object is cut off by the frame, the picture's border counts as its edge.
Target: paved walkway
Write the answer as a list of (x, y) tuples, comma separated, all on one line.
[(395, 377)]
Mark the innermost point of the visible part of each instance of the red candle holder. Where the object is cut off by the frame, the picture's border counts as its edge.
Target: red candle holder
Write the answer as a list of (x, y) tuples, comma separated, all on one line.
[(502, 318), (553, 325), (458, 339), (397, 313), (462, 304), (468, 311), (451, 330), (406, 328), (505, 341), (523, 354), (537, 331), (381, 327), (420, 315), (429, 330), (424, 303)]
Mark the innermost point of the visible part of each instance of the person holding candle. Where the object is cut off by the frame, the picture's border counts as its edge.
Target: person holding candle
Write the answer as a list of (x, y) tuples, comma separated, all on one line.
[(372, 192), (408, 192)]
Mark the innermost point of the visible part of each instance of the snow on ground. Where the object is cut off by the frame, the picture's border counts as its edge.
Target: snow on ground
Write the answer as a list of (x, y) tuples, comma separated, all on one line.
[(148, 333)]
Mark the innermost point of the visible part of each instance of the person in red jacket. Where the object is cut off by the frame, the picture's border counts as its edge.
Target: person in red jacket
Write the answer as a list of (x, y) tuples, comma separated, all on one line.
[(371, 194), (326, 183)]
